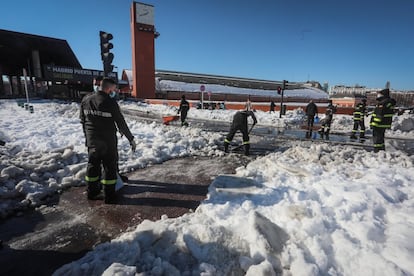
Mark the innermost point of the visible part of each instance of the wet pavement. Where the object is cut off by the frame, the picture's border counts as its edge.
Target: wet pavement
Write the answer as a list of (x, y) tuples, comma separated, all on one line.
[(40, 241)]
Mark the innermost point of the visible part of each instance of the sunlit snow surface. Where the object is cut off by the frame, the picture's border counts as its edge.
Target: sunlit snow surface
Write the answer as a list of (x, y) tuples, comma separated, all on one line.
[(308, 210)]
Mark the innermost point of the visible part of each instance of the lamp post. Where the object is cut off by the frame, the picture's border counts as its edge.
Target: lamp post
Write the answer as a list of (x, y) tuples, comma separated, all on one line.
[(281, 101)]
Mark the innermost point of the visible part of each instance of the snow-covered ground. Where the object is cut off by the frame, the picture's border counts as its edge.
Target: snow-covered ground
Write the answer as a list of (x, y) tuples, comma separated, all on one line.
[(317, 210), (313, 209), (45, 150)]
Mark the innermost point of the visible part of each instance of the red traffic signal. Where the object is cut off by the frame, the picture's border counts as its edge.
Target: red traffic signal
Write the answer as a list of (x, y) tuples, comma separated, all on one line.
[(279, 90)]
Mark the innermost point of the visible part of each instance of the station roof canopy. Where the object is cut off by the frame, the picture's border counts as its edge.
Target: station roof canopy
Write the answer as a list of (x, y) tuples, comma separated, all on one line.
[(16, 52), (221, 80)]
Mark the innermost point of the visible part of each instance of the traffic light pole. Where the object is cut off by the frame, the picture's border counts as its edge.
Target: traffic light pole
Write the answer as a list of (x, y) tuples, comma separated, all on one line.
[(281, 103)]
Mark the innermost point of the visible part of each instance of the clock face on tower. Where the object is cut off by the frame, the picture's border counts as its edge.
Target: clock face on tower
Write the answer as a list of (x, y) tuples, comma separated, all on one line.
[(145, 14)]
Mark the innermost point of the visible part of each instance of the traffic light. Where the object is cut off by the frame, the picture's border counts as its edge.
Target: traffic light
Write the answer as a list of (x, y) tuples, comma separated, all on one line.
[(106, 56), (284, 84), (279, 90)]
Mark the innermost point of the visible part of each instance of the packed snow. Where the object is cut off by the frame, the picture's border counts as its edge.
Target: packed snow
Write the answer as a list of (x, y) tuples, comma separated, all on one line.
[(309, 209)]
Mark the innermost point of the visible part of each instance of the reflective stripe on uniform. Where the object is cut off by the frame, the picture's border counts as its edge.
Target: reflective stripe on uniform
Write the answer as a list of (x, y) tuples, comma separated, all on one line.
[(380, 126), (91, 178), (97, 113), (379, 145), (388, 115), (246, 142), (108, 181), (226, 141)]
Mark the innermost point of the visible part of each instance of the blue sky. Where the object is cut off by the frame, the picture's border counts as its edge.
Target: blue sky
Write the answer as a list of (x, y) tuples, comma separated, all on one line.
[(366, 42)]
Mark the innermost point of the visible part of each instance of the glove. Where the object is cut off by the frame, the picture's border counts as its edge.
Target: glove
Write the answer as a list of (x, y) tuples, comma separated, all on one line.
[(133, 145)]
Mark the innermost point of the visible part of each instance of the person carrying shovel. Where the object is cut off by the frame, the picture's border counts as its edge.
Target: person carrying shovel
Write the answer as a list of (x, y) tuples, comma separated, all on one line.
[(240, 123)]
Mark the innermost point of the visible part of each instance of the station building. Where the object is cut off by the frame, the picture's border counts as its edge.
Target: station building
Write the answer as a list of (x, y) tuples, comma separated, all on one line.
[(48, 67)]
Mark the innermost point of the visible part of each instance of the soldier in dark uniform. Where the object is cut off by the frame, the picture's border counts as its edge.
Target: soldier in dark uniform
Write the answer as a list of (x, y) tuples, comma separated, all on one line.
[(359, 113), (101, 117), (382, 118), (240, 123), (184, 107)]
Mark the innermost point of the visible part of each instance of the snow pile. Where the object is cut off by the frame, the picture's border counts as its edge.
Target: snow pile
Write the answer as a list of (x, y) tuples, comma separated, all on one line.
[(318, 210), (403, 124), (45, 150), (168, 85)]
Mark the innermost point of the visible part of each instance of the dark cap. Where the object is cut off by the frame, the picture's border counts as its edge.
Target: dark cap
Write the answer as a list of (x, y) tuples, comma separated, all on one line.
[(385, 92)]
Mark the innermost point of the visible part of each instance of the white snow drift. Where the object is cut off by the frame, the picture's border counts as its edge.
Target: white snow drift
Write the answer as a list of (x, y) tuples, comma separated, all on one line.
[(308, 210), (45, 150), (317, 210)]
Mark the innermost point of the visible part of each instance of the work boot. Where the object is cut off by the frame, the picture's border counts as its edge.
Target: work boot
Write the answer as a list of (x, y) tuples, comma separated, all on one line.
[(226, 147), (353, 136), (110, 194), (321, 133), (93, 190), (247, 149)]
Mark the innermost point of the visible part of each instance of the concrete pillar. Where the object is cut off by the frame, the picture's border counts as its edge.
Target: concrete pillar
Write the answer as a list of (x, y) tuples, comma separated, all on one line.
[(37, 68), (19, 86)]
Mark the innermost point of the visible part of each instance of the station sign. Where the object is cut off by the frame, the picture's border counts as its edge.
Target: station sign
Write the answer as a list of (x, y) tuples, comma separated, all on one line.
[(70, 74)]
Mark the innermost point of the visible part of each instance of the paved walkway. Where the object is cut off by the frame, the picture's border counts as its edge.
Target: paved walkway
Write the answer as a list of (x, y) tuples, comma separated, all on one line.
[(40, 241)]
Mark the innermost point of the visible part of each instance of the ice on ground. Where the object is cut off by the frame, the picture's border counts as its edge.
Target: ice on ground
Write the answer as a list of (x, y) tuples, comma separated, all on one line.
[(318, 210)]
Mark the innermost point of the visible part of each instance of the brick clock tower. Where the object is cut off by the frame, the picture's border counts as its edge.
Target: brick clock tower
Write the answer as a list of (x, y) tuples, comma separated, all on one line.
[(143, 60)]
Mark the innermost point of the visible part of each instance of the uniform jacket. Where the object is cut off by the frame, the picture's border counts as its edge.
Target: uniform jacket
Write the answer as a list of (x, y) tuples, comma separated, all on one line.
[(359, 112), (240, 118), (383, 112), (184, 106), (311, 109), (101, 117), (329, 114)]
